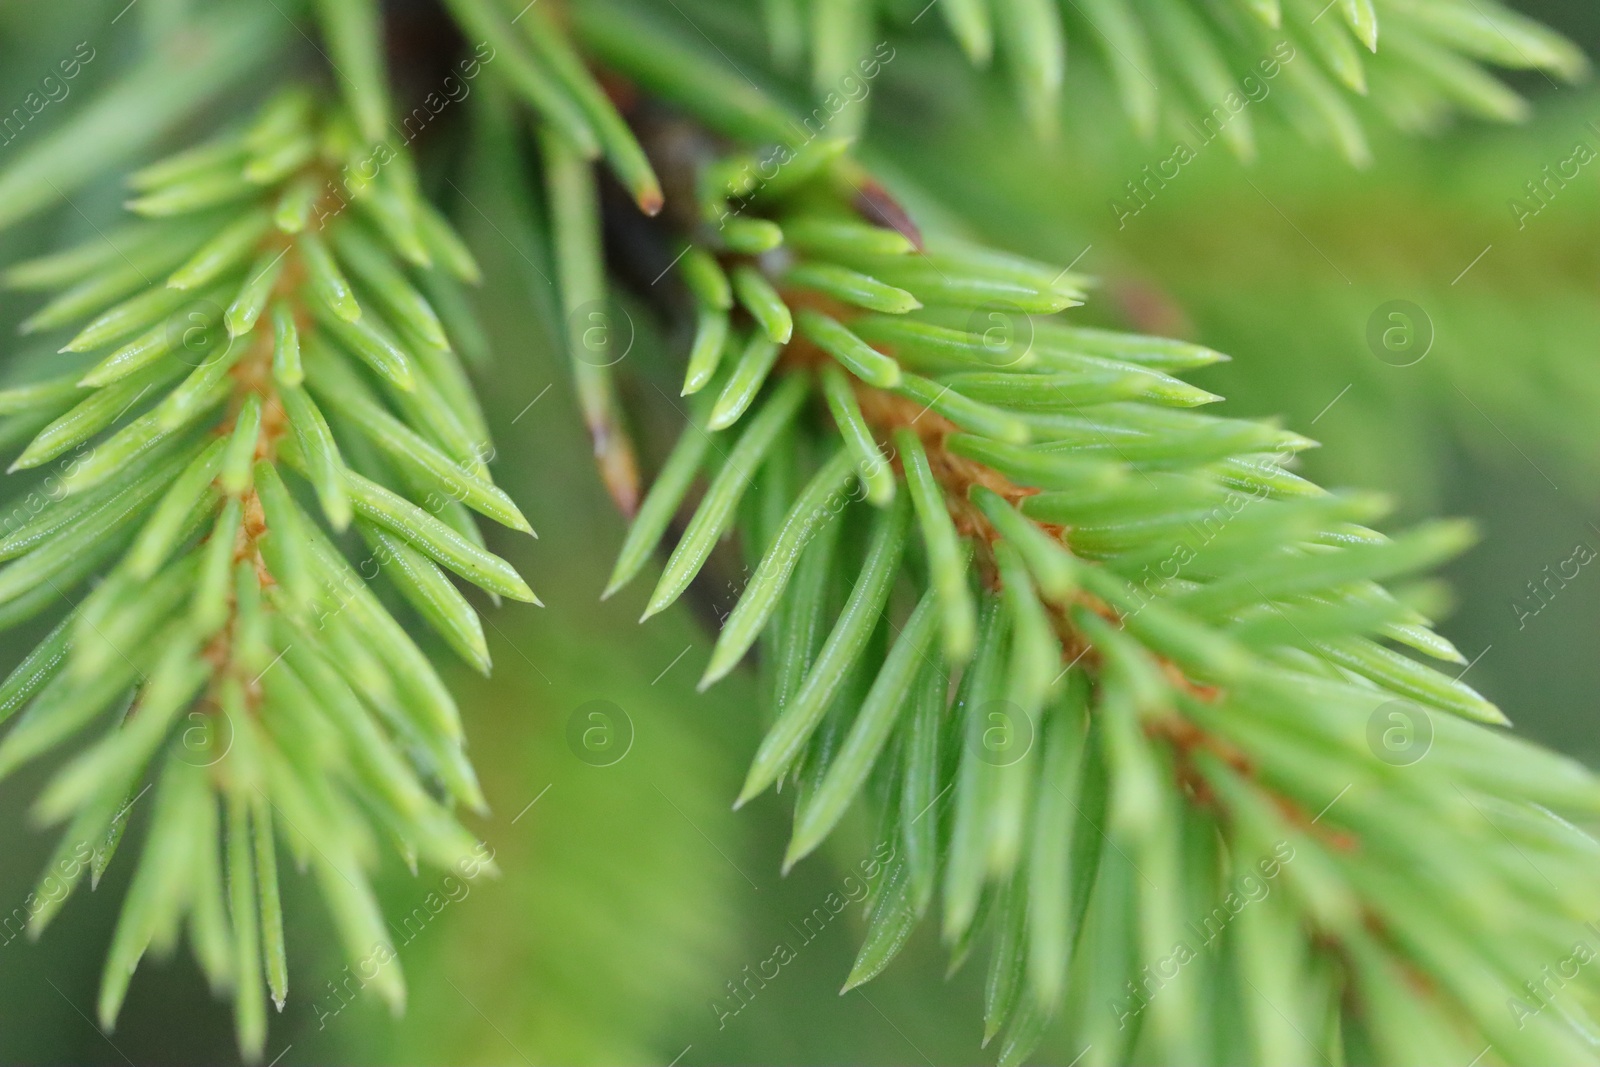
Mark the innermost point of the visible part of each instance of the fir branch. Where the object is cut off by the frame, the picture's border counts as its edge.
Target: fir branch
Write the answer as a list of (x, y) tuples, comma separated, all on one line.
[(1170, 655), (266, 317), (1327, 67), (1094, 658)]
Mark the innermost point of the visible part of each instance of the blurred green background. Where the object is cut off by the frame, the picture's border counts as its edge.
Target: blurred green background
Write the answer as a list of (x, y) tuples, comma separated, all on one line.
[(631, 895)]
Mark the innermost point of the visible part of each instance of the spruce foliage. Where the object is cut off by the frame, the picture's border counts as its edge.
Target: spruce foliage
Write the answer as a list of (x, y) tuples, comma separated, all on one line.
[(1102, 664), (1128, 696), (265, 316)]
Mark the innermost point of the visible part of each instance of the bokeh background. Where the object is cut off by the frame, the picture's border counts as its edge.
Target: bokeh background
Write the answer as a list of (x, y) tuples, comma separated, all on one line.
[(630, 893)]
